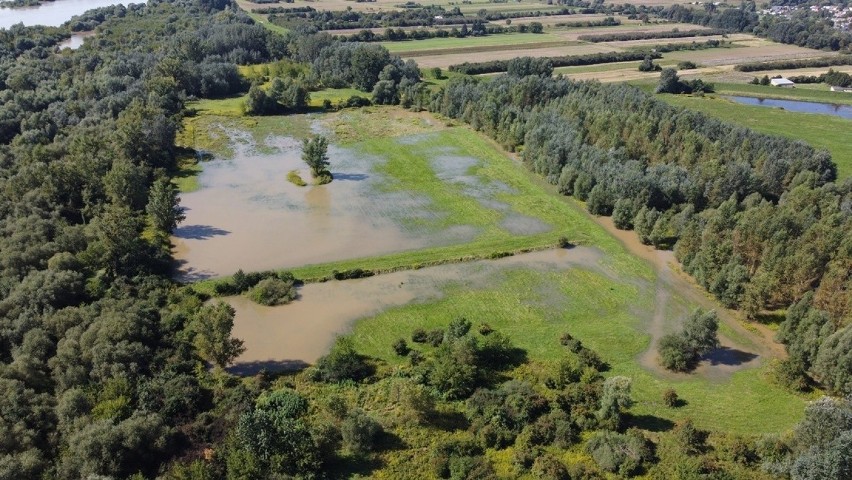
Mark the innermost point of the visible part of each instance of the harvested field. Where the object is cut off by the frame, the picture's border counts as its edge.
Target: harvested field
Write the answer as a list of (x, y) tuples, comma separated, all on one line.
[(500, 40), (753, 52), (551, 21), (457, 57), (574, 33)]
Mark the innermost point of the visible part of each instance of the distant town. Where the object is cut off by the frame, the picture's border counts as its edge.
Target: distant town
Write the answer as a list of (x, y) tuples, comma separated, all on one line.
[(841, 16)]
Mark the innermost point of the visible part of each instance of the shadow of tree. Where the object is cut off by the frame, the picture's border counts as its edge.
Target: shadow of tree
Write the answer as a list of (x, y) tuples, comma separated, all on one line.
[(448, 420), (251, 368), (728, 356), (353, 177), (199, 232), (650, 423)]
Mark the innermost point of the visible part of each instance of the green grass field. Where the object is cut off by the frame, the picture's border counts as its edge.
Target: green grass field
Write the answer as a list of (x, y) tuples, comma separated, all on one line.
[(467, 42), (534, 308), (821, 131)]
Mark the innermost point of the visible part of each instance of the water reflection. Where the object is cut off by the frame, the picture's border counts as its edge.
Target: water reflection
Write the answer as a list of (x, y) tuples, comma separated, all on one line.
[(842, 111)]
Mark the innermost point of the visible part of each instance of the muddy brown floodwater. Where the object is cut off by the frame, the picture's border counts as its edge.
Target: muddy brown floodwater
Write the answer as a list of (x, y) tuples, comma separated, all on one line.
[(298, 333), (246, 215)]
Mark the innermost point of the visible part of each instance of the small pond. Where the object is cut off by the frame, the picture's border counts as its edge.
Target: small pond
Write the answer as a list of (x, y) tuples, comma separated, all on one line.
[(843, 111)]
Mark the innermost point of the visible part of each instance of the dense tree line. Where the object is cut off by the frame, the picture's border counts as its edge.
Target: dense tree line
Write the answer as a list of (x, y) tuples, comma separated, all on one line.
[(757, 220), (476, 29), (795, 64), (99, 352), (606, 22), (496, 66), (679, 47), (831, 77), (624, 36)]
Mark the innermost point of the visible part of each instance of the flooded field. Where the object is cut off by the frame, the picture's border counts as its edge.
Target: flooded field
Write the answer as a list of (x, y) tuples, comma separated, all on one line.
[(298, 333), (246, 215)]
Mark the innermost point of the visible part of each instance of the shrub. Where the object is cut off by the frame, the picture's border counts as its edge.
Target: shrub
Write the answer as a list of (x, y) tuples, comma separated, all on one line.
[(619, 453), (435, 337), (458, 328), (400, 347), (485, 329), (359, 432), (548, 467), (686, 65), (415, 358), (323, 178), (273, 291), (681, 351), (675, 353), (670, 398), (790, 373), (294, 178), (343, 363), (419, 336)]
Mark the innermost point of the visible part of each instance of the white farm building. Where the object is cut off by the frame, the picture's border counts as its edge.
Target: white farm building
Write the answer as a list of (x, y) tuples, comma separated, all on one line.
[(781, 82)]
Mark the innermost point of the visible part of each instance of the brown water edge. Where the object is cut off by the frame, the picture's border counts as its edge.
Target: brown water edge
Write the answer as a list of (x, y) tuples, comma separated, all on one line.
[(732, 356), (298, 333)]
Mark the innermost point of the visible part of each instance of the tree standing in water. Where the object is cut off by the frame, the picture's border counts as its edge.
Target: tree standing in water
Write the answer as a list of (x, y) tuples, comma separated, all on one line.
[(314, 154)]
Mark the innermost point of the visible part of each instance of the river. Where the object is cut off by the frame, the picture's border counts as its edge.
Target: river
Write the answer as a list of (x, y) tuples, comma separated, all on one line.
[(52, 14)]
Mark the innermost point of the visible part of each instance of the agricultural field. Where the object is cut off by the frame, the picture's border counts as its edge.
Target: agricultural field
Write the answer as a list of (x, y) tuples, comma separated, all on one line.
[(406, 47)]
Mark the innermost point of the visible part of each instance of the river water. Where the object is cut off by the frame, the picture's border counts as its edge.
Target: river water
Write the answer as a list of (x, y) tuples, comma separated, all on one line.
[(842, 111), (52, 14)]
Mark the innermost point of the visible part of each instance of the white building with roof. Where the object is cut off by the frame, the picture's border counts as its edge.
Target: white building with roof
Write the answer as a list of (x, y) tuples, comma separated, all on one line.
[(781, 82)]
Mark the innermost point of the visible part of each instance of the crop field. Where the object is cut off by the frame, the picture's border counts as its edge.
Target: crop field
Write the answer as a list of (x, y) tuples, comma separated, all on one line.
[(499, 40), (446, 58)]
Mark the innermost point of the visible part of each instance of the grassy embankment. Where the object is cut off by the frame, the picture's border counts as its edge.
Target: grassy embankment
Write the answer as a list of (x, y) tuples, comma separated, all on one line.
[(807, 92)]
